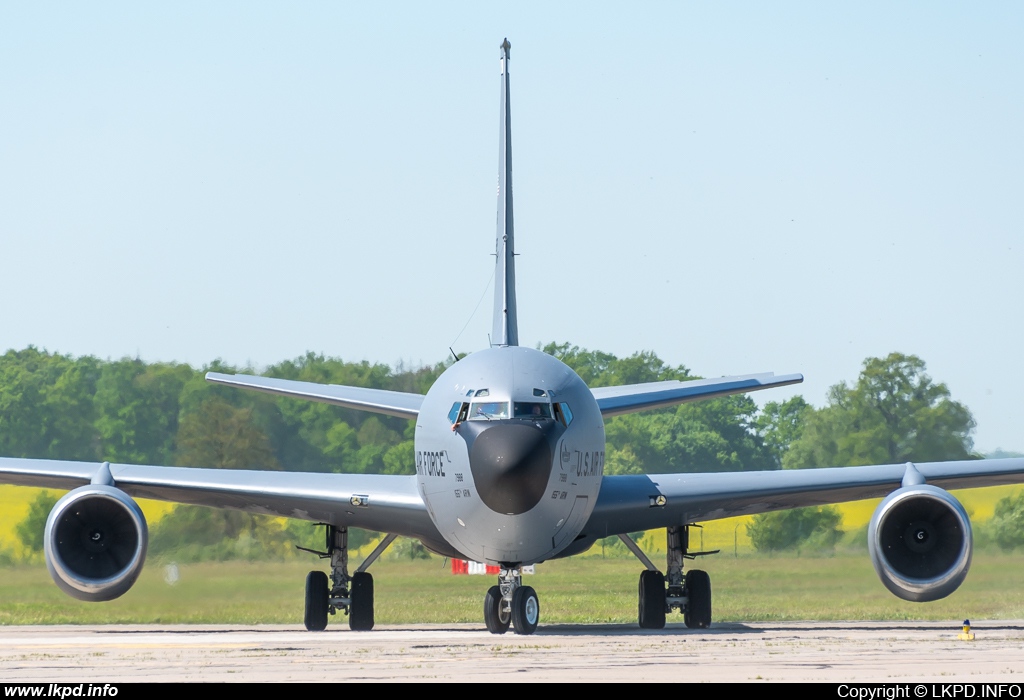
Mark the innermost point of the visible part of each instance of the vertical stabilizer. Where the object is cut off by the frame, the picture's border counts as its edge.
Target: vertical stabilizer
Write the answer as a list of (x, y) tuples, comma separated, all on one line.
[(505, 329)]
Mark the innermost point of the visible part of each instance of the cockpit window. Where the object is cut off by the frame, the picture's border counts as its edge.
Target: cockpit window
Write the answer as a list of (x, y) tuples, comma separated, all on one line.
[(562, 413), (454, 413), (488, 410), (524, 409)]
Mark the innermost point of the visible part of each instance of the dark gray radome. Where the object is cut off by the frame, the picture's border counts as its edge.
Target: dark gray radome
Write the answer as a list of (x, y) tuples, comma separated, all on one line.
[(511, 463)]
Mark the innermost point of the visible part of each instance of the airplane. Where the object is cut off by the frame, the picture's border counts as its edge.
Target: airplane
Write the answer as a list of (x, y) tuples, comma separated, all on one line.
[(509, 461)]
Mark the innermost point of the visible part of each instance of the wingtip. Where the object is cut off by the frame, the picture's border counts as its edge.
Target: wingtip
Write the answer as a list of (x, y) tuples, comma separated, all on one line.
[(505, 46)]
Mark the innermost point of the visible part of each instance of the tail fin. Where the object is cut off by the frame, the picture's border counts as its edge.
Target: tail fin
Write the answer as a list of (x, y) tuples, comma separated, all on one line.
[(505, 328)]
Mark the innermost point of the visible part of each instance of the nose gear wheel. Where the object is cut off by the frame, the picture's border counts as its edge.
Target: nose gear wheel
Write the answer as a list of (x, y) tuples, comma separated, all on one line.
[(510, 603), (497, 614), (525, 610)]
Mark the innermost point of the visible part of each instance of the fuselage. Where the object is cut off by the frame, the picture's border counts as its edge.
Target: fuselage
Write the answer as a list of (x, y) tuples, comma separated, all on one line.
[(509, 455)]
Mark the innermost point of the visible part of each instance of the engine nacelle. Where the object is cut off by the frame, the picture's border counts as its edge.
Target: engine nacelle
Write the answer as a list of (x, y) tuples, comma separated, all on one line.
[(920, 543), (95, 542)]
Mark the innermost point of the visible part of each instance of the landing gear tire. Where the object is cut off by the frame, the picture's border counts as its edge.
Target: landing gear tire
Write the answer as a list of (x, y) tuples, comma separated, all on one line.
[(360, 610), (496, 617), (652, 600), (317, 601), (698, 595), (525, 610)]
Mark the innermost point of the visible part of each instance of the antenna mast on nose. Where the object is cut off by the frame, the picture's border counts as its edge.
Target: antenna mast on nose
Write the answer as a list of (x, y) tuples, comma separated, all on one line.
[(505, 329)]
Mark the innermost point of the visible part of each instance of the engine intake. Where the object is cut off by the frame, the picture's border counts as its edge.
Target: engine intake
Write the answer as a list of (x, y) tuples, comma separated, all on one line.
[(920, 543), (95, 542)]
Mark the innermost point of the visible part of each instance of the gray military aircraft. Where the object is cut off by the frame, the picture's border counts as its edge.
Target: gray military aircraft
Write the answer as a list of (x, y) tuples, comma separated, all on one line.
[(510, 450)]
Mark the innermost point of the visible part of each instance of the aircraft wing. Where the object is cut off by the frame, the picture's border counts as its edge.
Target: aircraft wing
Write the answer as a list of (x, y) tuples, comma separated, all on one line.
[(616, 400), (629, 503), (370, 501), (392, 403)]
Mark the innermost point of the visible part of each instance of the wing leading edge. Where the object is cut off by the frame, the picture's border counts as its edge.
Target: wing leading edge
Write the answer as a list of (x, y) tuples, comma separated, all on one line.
[(391, 403), (629, 503), (370, 501), (617, 400), (613, 400)]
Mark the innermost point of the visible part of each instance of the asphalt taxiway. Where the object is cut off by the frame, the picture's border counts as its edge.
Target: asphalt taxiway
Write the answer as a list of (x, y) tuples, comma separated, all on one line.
[(780, 651)]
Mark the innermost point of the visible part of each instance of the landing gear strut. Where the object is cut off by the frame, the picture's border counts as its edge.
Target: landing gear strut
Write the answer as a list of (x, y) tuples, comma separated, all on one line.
[(689, 593), (351, 594), (511, 603)]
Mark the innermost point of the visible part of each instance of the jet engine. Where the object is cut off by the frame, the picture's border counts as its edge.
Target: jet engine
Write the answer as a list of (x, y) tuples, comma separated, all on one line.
[(95, 542), (920, 542)]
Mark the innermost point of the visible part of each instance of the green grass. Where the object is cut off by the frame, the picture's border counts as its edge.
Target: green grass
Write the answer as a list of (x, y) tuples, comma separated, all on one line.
[(588, 589)]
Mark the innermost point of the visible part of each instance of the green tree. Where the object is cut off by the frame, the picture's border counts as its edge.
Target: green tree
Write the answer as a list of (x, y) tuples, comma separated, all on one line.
[(697, 437), (46, 405), (197, 533), (309, 438), (30, 530), (598, 368), (781, 424), (815, 528), (218, 435), (221, 436), (400, 459), (894, 413), (137, 408), (1007, 525), (622, 460)]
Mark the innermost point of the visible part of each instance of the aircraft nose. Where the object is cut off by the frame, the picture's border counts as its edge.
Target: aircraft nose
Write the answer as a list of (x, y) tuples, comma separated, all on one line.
[(511, 464)]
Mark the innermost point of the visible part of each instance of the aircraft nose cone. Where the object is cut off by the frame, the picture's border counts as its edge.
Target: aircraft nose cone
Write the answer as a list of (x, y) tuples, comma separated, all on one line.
[(511, 464)]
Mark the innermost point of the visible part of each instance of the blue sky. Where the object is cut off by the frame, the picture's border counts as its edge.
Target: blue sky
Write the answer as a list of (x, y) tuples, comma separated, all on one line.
[(739, 187)]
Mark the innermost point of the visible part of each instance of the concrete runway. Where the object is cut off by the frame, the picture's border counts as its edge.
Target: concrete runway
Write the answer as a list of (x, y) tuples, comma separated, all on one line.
[(783, 651)]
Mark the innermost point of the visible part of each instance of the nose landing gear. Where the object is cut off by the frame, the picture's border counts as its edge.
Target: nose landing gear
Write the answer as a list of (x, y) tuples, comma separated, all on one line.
[(510, 603)]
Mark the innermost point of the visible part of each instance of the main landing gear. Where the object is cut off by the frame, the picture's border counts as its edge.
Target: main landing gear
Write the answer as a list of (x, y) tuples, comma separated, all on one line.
[(511, 603), (351, 594), (690, 594)]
